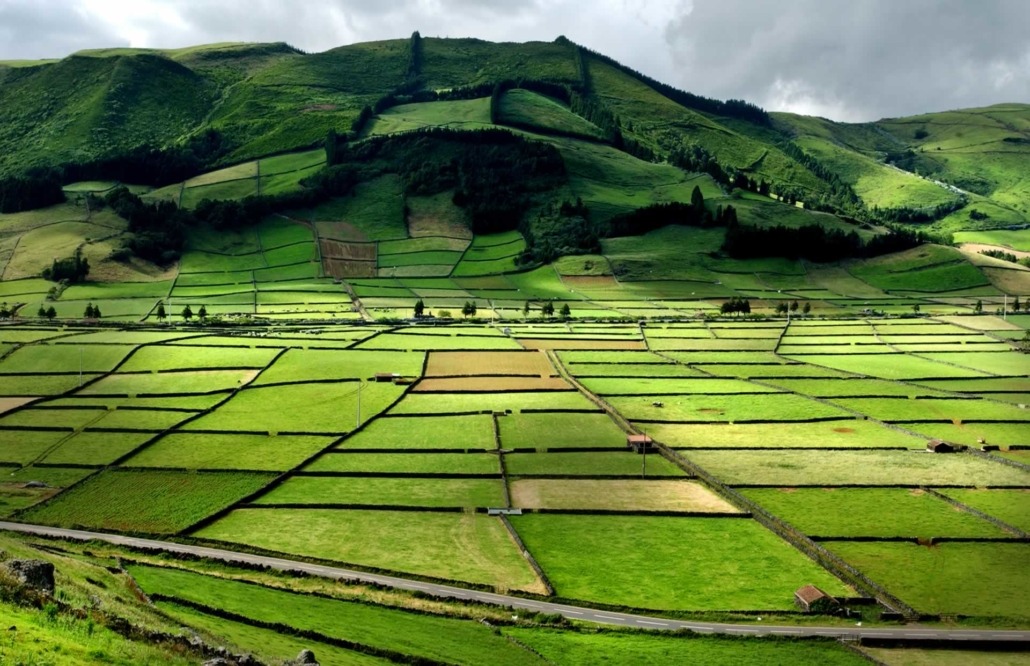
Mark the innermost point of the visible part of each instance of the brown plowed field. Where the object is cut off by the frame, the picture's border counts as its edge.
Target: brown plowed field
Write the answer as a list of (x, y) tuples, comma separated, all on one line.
[(342, 250), (452, 364), (498, 384), (344, 268)]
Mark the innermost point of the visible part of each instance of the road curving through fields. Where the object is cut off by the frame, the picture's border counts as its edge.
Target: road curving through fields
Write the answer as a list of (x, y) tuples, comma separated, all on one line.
[(911, 633)]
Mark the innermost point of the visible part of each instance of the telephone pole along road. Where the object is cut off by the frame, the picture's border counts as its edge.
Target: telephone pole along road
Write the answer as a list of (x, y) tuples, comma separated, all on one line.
[(912, 633)]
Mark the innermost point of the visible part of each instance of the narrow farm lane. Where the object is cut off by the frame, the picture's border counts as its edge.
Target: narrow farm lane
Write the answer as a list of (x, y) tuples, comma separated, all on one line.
[(913, 633)]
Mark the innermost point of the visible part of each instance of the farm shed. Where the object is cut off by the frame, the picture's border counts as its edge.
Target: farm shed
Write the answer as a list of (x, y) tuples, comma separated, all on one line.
[(386, 376), (639, 443), (813, 600), (937, 446)]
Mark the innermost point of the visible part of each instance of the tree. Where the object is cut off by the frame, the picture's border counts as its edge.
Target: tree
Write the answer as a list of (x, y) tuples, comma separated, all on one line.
[(468, 309), (807, 308), (794, 306), (420, 308), (187, 313), (979, 307), (203, 312), (42, 312), (88, 314), (697, 202), (96, 312), (161, 314), (444, 314), (525, 309), (5, 312), (548, 309), (1016, 305), (781, 308), (565, 311), (50, 313), (915, 308)]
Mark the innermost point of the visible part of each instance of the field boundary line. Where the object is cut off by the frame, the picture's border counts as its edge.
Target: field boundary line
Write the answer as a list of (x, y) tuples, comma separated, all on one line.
[(1018, 638), (289, 630), (1011, 529), (823, 557), (533, 564)]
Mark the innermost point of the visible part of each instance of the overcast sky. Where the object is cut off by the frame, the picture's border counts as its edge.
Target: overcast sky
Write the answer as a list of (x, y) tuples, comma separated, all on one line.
[(843, 59)]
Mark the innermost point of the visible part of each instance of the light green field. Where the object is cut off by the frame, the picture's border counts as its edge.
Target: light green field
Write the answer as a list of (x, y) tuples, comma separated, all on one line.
[(1017, 240), (848, 512), (468, 493), (792, 468), (979, 579), (455, 546), (830, 434), (708, 563), (303, 408), (226, 451), (1009, 506), (461, 114), (149, 502)]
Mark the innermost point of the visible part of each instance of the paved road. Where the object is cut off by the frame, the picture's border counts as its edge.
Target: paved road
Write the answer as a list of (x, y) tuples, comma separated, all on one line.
[(912, 632)]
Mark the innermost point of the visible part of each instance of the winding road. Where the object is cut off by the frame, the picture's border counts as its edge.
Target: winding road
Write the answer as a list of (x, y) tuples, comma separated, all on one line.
[(914, 633)]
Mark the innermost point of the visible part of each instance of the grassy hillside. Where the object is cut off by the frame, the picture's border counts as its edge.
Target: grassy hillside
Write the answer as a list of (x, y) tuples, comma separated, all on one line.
[(982, 152), (84, 107)]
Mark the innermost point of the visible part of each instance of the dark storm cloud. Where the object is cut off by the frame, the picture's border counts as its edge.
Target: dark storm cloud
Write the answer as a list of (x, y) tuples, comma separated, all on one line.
[(844, 59), (861, 60)]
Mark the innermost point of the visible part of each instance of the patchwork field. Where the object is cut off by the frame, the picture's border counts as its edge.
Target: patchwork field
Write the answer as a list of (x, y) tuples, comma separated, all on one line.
[(180, 430)]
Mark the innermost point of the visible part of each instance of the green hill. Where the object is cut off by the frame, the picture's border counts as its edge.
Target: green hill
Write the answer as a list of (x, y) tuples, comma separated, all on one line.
[(237, 138)]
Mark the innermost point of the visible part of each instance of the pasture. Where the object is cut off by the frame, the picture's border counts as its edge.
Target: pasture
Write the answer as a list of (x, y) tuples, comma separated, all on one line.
[(171, 427)]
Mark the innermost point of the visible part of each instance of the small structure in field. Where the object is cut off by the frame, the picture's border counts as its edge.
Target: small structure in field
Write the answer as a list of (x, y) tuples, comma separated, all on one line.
[(639, 443), (810, 599), (386, 377), (938, 446)]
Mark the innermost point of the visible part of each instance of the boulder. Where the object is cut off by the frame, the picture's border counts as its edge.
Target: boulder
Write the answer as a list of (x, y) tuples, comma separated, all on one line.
[(36, 574), (306, 657)]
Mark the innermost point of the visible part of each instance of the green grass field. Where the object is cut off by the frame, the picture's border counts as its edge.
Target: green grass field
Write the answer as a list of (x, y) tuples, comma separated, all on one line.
[(583, 648), (559, 463), (1009, 506), (791, 468), (227, 451), (456, 546), (427, 635), (978, 579), (707, 563), (466, 493), (830, 434), (847, 512), (149, 502)]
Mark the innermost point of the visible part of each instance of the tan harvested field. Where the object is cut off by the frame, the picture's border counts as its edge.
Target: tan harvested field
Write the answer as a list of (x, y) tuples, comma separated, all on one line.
[(437, 216), (341, 268), (7, 404), (496, 384), (344, 231), (457, 364), (977, 248), (540, 344), (979, 323), (591, 281), (617, 494)]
